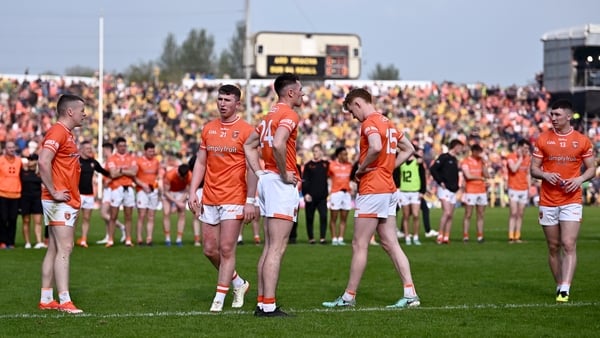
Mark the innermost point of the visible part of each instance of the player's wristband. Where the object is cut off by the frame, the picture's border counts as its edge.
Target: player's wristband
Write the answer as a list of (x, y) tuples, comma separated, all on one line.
[(250, 200), (259, 172)]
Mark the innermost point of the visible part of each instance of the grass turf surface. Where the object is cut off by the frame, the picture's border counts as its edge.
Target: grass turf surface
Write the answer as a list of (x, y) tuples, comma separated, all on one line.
[(491, 289)]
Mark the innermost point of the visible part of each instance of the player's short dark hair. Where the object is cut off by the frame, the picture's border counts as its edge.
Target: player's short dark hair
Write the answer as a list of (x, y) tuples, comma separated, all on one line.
[(64, 101), (84, 142), (476, 147), (108, 145), (149, 145), (183, 169), (357, 92), (230, 90), (283, 81), (562, 104), (120, 140), (339, 150), (454, 143), (523, 142)]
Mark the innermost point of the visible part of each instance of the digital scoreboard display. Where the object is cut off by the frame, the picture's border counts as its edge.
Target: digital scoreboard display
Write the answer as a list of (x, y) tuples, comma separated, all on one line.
[(305, 66)]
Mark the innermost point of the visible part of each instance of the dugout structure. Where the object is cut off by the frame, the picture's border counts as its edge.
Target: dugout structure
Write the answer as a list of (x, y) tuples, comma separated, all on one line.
[(312, 56), (572, 66)]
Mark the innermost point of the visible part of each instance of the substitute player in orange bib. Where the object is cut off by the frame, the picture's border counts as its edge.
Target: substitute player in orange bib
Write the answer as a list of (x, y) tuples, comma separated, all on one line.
[(558, 156), (519, 181)]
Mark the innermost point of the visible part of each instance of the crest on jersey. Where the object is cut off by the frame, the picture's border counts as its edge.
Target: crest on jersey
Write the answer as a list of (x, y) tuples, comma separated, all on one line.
[(235, 134), (575, 144)]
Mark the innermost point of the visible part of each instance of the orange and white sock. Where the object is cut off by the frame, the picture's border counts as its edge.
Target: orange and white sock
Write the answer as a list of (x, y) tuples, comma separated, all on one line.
[(349, 295), (409, 291), (237, 281), (221, 292), (269, 304)]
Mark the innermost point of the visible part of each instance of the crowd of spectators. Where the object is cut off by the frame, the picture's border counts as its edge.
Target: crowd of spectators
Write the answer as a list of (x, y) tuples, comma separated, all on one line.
[(172, 114)]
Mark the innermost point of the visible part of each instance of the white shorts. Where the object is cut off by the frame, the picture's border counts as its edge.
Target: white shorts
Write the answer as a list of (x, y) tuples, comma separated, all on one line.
[(214, 214), (106, 195), (475, 199), (123, 197), (87, 201), (340, 200), (146, 200), (446, 195), (408, 198), (376, 205), (518, 196), (549, 216), (59, 213), (277, 199)]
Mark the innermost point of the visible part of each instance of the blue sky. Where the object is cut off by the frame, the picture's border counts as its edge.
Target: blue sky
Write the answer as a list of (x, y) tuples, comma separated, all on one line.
[(461, 40)]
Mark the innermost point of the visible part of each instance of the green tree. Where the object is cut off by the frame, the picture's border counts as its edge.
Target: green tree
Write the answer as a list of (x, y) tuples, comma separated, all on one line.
[(169, 60), (197, 53), (142, 72), (389, 72), (231, 61)]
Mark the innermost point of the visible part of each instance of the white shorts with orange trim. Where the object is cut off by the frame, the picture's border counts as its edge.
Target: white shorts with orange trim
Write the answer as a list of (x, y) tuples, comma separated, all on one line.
[(550, 216), (518, 196), (340, 200), (122, 197), (446, 195), (146, 200), (376, 205), (106, 195), (408, 198), (214, 214), (87, 201), (277, 199), (59, 213), (475, 199)]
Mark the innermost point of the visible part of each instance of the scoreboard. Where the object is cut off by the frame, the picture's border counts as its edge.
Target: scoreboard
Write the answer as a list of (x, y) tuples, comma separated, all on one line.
[(310, 56)]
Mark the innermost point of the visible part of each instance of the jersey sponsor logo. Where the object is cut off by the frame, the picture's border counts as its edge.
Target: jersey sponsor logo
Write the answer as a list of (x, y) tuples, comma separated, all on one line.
[(222, 149)]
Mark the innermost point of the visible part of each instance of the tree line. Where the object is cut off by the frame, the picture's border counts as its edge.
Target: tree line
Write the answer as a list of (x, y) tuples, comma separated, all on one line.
[(196, 55)]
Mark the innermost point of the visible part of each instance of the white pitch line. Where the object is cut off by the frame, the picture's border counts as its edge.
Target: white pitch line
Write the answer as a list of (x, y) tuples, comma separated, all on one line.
[(55, 314)]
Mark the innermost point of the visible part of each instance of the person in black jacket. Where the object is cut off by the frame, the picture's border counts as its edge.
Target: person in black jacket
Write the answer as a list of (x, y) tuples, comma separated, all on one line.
[(89, 165), (30, 203), (445, 172), (315, 191)]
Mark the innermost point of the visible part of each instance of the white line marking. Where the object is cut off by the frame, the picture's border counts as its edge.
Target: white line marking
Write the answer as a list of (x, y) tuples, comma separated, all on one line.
[(55, 314)]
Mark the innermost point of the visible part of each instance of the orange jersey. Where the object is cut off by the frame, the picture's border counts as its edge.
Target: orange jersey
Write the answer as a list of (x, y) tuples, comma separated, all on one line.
[(65, 165), (147, 171), (225, 177), (177, 183), (340, 176), (10, 182), (475, 168), (380, 180), (562, 154), (518, 180), (119, 161), (281, 115)]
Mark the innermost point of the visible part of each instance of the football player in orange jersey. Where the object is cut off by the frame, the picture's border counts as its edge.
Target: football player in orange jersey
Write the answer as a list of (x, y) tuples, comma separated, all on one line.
[(277, 187), (519, 181), (60, 170), (557, 160), (377, 199)]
